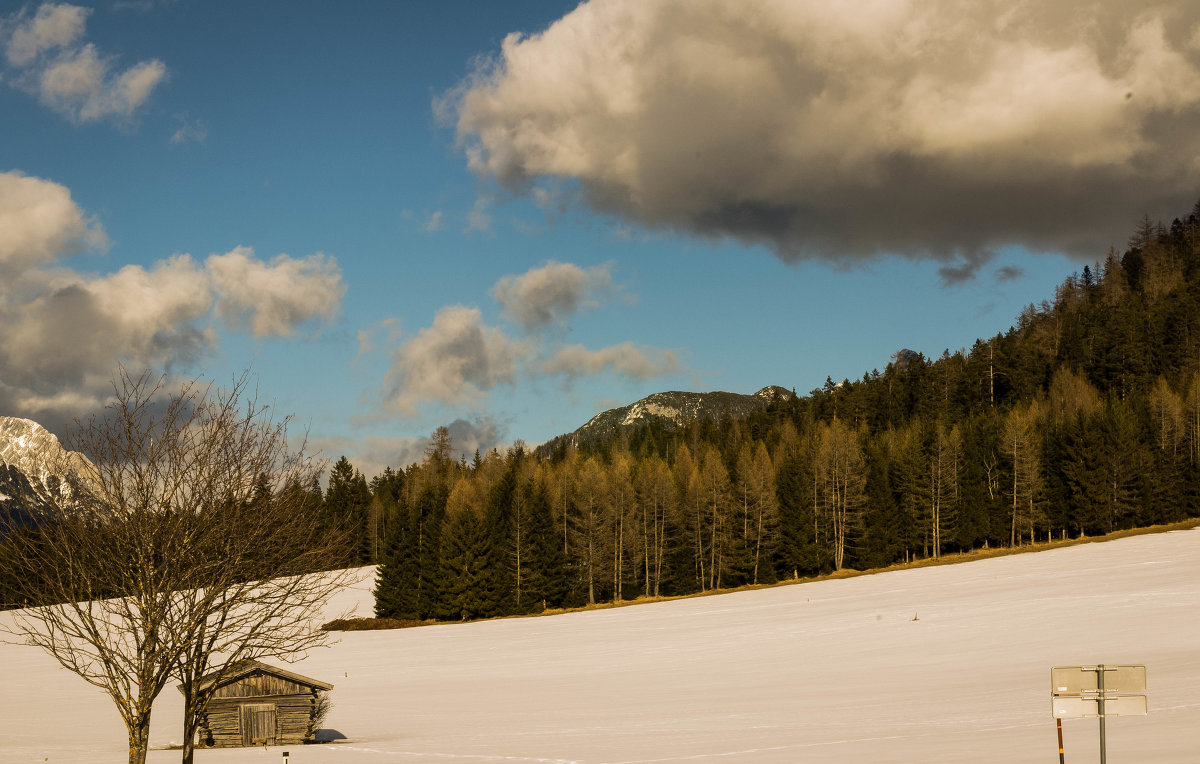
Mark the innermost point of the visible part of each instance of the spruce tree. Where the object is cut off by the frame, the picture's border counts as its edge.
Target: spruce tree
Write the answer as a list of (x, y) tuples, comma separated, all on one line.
[(394, 583), (426, 522), (346, 503), (462, 572), (546, 582)]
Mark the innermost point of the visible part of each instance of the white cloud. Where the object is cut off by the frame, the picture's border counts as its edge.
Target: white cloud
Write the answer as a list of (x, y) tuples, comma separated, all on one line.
[(624, 359), (63, 332), (71, 78), (273, 298), (39, 221), (454, 361), (53, 26), (845, 130), (459, 359), (551, 293)]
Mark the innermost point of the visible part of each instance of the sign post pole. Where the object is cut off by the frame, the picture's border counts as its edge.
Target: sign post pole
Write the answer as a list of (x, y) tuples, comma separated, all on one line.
[(1061, 758), (1100, 709)]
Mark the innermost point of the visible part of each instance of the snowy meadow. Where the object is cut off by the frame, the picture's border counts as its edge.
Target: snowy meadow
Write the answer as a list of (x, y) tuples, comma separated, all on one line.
[(938, 664)]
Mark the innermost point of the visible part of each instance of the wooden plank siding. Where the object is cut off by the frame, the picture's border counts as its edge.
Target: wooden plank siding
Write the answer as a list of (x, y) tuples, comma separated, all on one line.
[(259, 705), (257, 685), (227, 726)]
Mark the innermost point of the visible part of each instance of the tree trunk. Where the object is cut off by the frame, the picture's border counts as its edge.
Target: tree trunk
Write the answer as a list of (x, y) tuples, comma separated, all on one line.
[(189, 722), (139, 739)]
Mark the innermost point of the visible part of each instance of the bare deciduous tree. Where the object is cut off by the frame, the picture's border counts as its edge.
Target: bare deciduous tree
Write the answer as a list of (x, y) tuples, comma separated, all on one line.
[(184, 541), (1021, 444), (842, 471)]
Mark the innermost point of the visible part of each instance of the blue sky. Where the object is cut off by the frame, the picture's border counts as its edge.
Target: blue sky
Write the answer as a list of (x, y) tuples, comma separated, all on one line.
[(399, 220)]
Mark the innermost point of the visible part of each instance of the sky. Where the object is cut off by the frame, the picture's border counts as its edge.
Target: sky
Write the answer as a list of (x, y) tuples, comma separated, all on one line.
[(506, 217)]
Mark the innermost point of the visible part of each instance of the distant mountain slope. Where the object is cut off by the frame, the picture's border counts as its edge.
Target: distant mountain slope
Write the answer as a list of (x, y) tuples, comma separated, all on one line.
[(675, 408), (29, 456)]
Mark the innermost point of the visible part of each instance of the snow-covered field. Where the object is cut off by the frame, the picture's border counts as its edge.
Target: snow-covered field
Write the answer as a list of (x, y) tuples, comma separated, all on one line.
[(831, 671)]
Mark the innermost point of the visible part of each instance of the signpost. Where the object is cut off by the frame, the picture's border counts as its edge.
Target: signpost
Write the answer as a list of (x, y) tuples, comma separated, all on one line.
[(1100, 691)]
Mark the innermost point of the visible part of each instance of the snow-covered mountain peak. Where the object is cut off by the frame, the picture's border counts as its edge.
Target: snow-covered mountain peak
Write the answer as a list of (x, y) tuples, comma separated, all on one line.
[(33, 467), (29, 447)]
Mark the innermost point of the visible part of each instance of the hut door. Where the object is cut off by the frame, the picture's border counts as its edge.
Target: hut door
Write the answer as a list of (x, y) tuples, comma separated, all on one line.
[(258, 724)]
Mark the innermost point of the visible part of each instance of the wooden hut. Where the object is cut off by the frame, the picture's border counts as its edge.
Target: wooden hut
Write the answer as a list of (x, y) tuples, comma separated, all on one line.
[(256, 704)]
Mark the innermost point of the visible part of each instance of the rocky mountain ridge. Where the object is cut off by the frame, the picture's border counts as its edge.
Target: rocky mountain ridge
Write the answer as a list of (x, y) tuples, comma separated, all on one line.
[(675, 408), (31, 463)]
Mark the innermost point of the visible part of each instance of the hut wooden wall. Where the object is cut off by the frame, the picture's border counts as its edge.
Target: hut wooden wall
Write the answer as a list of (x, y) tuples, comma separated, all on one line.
[(257, 685), (294, 712)]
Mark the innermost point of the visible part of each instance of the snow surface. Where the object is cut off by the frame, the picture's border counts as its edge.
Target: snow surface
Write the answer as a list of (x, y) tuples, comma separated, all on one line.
[(942, 664)]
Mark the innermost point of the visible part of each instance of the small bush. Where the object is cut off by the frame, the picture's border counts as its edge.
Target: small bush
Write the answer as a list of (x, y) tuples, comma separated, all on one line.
[(324, 703)]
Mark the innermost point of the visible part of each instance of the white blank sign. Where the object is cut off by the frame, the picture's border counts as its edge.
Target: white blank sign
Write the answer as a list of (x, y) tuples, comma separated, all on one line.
[(1069, 707), (1075, 680)]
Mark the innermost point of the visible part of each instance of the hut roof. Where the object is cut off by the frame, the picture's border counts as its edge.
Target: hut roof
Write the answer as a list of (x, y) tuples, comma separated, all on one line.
[(236, 671)]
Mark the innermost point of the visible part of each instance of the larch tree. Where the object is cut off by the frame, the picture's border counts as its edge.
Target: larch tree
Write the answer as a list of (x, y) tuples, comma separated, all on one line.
[(656, 504), (1167, 410), (621, 504), (1192, 419), (1022, 446), (689, 487), (945, 458), (589, 510), (759, 508), (842, 478), (716, 492)]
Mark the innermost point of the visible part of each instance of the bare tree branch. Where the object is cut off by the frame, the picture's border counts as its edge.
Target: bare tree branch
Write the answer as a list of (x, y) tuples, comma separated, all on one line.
[(189, 537)]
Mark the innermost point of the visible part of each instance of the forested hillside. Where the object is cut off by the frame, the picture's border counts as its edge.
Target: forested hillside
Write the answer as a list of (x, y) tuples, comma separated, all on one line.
[(1084, 417)]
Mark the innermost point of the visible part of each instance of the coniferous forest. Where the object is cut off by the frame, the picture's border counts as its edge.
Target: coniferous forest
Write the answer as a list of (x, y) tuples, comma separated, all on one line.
[(1082, 418)]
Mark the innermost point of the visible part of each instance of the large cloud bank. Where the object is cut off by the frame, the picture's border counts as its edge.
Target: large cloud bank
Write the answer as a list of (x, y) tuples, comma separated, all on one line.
[(846, 130), (62, 332)]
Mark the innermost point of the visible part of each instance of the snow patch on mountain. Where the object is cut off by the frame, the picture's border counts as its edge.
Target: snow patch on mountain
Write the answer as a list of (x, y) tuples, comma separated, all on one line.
[(643, 410)]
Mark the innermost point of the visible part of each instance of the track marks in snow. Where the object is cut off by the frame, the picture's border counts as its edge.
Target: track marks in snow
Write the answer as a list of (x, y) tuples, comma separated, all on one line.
[(428, 756)]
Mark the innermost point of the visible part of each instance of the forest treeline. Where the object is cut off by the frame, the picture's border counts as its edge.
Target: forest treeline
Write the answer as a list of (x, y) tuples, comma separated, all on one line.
[(1082, 418)]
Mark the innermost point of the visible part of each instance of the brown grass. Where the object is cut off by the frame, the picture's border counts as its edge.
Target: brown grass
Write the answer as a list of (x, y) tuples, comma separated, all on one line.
[(366, 624), (372, 624)]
